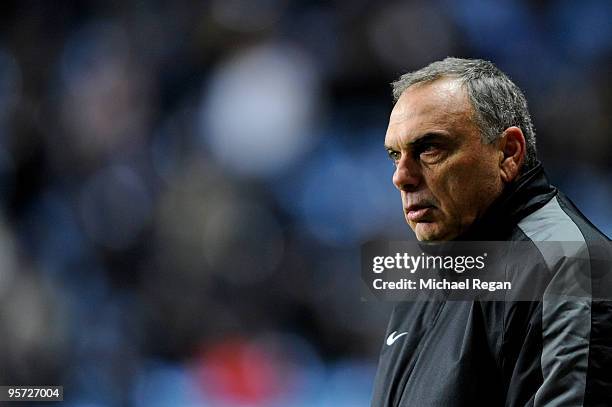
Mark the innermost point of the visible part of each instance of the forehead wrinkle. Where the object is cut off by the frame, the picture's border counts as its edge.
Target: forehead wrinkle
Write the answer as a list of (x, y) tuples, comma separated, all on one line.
[(408, 127), (432, 99), (439, 105)]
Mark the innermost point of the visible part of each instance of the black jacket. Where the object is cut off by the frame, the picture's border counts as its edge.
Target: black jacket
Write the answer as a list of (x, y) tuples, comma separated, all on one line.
[(554, 352)]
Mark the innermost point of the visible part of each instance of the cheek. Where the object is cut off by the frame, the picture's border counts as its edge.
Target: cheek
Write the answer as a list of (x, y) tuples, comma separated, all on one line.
[(476, 187), (463, 188), (448, 187)]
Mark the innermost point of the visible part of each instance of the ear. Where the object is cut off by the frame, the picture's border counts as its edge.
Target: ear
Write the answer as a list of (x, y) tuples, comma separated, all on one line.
[(512, 149)]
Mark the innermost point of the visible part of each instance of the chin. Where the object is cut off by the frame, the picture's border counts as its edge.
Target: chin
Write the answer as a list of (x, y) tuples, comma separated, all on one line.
[(426, 232)]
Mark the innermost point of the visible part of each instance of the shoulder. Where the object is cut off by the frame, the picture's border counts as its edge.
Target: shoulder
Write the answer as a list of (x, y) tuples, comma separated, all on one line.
[(559, 220)]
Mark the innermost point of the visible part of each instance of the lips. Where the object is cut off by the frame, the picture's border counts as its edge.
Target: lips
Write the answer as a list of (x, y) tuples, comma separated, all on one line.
[(416, 213)]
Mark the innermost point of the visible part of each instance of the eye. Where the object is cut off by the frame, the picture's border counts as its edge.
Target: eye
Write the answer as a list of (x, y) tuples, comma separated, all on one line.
[(394, 155), (429, 153), (426, 147), (429, 149), (426, 150)]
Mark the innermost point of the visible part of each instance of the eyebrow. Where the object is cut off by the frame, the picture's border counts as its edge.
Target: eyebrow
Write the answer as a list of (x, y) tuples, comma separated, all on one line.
[(423, 139)]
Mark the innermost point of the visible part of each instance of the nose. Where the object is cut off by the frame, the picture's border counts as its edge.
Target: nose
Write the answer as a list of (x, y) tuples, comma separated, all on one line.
[(407, 176)]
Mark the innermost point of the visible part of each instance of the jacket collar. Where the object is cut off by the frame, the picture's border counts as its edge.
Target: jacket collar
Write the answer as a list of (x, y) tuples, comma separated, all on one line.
[(527, 194)]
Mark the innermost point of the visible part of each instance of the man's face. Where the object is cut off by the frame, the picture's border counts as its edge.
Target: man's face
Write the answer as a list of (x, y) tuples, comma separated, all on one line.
[(446, 176)]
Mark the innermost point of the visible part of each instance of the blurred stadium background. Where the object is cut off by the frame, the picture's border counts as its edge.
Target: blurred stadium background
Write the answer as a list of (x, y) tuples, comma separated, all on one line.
[(185, 185)]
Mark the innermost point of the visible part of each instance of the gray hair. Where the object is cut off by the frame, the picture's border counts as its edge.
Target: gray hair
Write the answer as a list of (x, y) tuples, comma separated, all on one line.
[(497, 101)]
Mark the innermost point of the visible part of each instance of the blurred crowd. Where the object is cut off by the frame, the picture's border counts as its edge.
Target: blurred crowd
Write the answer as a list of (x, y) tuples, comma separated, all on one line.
[(186, 185)]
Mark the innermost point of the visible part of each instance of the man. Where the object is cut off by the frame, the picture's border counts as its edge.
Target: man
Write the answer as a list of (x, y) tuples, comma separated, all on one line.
[(463, 145)]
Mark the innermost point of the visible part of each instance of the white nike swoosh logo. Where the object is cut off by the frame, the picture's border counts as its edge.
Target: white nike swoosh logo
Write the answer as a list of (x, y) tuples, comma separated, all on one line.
[(392, 338)]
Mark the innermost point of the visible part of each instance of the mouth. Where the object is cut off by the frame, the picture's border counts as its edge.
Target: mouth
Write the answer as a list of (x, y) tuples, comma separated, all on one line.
[(418, 213)]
